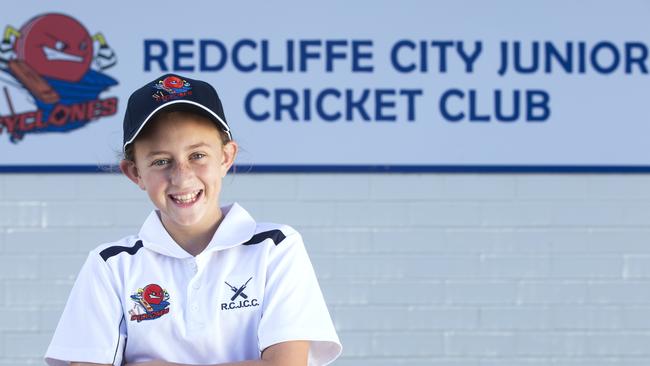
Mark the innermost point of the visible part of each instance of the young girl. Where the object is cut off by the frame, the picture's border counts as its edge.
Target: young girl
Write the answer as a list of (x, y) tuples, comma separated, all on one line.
[(199, 284)]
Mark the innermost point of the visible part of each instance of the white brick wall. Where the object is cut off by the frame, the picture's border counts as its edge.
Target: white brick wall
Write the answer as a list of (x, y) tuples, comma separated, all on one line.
[(418, 269)]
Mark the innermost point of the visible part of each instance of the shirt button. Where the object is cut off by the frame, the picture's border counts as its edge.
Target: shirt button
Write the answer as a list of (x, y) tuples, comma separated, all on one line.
[(195, 307), (196, 285)]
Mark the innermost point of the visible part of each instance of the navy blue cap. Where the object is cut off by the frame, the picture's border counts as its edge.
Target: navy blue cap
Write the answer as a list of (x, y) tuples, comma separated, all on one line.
[(171, 91)]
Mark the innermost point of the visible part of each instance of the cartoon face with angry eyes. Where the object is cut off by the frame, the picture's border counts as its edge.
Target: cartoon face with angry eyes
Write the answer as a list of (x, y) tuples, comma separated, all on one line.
[(55, 45)]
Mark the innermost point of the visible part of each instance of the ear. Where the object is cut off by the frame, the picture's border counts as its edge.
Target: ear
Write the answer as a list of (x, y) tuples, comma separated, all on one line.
[(229, 154), (129, 169)]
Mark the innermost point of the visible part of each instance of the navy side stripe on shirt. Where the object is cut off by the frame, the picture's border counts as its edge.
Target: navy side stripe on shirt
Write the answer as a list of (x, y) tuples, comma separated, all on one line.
[(112, 251), (276, 235)]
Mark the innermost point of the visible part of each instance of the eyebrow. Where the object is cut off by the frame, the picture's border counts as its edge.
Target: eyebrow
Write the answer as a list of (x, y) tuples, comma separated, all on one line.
[(191, 147)]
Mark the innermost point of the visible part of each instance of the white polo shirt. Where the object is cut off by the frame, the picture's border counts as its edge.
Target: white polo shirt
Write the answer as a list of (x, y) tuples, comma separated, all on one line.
[(144, 297)]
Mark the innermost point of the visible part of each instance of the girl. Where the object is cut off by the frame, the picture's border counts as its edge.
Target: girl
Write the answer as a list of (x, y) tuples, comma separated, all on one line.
[(199, 284)]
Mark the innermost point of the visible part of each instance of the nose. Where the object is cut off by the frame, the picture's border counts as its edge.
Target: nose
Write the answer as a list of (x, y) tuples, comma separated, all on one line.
[(181, 174)]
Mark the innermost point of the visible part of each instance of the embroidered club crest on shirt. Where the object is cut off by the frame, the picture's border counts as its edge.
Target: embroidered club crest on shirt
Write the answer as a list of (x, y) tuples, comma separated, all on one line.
[(239, 299), (150, 303)]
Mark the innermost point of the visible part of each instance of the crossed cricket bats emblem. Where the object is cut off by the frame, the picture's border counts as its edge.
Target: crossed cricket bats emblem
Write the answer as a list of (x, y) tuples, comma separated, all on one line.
[(238, 291)]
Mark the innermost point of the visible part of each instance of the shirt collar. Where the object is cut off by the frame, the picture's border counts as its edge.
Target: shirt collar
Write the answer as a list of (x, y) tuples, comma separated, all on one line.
[(236, 227)]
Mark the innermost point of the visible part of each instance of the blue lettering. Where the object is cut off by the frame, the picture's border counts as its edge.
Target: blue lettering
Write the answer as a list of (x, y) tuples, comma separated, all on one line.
[(266, 67), (331, 54), (319, 104), (248, 104), (541, 105), (178, 54), (395, 61), (222, 56), (381, 103), (289, 106), (351, 105), (150, 56), (615, 57), (639, 60), (236, 61), (305, 54), (498, 106), (358, 55), (443, 105), (410, 98)]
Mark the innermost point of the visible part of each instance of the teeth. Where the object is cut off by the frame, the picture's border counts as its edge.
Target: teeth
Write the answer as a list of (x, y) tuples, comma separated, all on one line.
[(186, 198)]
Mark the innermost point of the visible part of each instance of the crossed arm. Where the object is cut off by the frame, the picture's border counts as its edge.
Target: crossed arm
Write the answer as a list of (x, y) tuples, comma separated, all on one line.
[(293, 353)]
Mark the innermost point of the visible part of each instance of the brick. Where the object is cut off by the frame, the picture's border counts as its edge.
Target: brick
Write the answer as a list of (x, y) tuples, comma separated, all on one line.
[(41, 241), (514, 317), (418, 344), (584, 318), (55, 267), (49, 318), (40, 187), (480, 292), (586, 266), (403, 266), (129, 213), (26, 344), (552, 292), (431, 214), (308, 214), (618, 344), (259, 187), (90, 238), (618, 292), (376, 214), (406, 188), (323, 241), (378, 292), (483, 344), (403, 318), (18, 267), (75, 214), (509, 266), (32, 292), (636, 266), (549, 344), (634, 317), (25, 318), (478, 187), (21, 214), (348, 187), (106, 187)]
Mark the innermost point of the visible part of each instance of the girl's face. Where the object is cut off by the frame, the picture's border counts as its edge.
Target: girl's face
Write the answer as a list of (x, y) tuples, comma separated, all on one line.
[(180, 163)]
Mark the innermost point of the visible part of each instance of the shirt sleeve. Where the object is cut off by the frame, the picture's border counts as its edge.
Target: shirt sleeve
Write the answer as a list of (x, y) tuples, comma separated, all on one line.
[(294, 307), (91, 328)]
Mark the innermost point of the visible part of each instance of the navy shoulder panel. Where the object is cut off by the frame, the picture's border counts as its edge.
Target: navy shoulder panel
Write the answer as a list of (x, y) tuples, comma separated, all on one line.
[(113, 251), (276, 235)]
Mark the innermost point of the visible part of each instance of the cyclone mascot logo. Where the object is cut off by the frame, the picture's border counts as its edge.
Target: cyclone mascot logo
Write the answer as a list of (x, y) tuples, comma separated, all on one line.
[(150, 303), (52, 75)]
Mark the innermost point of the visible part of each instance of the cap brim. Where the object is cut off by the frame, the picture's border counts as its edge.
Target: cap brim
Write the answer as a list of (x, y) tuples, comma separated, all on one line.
[(200, 107)]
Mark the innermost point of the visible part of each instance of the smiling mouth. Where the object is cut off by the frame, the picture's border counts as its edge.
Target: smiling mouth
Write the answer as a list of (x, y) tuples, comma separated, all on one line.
[(55, 55), (186, 198)]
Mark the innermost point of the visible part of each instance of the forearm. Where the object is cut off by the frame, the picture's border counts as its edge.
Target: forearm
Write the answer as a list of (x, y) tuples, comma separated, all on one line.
[(292, 353)]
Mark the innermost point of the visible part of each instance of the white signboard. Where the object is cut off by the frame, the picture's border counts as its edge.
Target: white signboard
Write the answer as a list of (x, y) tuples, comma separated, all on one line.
[(339, 85)]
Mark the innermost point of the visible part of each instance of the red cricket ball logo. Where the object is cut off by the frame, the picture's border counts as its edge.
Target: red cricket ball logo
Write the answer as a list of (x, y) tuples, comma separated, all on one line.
[(150, 303), (51, 76)]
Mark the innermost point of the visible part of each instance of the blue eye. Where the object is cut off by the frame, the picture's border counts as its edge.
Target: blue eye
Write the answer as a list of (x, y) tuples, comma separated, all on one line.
[(160, 162)]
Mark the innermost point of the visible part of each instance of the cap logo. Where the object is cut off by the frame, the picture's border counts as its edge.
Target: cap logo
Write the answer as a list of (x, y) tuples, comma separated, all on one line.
[(171, 87)]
